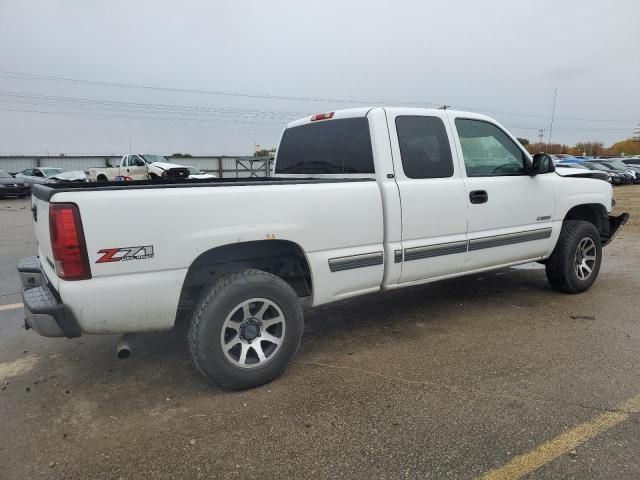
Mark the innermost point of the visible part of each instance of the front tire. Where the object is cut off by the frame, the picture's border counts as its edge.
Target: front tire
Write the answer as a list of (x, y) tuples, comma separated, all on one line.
[(575, 262), (245, 329)]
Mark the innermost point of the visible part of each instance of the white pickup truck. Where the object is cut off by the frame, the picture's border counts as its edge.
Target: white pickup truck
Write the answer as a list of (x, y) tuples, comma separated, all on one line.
[(139, 167), (363, 200)]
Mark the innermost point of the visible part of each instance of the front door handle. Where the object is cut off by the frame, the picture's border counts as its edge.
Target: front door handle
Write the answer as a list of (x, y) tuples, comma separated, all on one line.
[(478, 196)]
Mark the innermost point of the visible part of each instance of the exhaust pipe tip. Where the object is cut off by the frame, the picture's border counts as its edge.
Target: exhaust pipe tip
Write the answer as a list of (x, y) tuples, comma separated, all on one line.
[(123, 353), (123, 349)]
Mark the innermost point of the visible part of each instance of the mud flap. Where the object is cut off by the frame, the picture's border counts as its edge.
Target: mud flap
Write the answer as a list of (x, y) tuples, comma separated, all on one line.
[(614, 226)]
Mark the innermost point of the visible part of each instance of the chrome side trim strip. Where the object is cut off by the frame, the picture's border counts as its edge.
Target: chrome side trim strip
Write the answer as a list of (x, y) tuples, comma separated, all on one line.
[(509, 239), (417, 253), (356, 261)]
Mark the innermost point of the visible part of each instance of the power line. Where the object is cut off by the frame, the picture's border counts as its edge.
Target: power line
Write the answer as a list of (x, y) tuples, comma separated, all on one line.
[(182, 121), (154, 120), (421, 103), (137, 106), (39, 77)]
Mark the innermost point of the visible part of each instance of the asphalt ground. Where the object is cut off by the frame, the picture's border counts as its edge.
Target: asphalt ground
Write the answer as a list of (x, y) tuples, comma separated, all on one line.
[(491, 375)]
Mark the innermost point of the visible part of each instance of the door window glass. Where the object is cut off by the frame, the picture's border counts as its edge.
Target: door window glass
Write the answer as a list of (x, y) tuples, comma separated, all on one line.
[(424, 147), (487, 150)]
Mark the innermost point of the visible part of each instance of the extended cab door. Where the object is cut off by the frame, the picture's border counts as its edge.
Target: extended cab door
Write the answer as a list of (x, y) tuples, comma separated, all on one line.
[(135, 167), (510, 211), (432, 195)]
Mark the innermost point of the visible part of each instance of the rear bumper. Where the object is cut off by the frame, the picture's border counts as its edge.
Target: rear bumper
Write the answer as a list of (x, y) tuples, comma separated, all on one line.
[(615, 223), (45, 313)]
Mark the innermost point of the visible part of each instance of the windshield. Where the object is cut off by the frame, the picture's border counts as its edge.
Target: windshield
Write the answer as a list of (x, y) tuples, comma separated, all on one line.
[(4, 174), (619, 164), (154, 158), (50, 172), (597, 166), (613, 166)]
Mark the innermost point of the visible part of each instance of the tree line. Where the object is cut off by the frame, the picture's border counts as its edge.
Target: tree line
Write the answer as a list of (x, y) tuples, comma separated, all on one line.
[(592, 149)]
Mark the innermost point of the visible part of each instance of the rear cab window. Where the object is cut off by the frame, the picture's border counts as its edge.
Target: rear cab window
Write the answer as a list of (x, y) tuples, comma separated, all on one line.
[(336, 146), (424, 147)]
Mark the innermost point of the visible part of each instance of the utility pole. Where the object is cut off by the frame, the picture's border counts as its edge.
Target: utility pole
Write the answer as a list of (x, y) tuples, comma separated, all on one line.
[(636, 134), (553, 114), (540, 136), (129, 145)]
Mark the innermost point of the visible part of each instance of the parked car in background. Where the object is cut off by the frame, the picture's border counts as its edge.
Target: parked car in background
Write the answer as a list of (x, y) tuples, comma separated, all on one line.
[(619, 163), (619, 167), (199, 174), (12, 187), (565, 158), (633, 161), (139, 167), (582, 170), (617, 177), (42, 175)]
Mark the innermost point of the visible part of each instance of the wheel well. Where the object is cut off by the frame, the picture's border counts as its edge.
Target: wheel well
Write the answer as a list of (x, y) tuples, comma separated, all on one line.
[(282, 258), (101, 177), (594, 213)]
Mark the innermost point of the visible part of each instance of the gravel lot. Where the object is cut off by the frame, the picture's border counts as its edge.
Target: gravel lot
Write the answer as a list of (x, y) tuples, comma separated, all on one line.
[(447, 380)]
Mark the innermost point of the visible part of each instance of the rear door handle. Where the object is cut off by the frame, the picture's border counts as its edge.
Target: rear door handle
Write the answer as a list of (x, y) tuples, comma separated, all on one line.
[(478, 196)]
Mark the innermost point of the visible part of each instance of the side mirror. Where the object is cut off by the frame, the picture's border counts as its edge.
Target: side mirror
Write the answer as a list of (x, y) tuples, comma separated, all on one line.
[(542, 163)]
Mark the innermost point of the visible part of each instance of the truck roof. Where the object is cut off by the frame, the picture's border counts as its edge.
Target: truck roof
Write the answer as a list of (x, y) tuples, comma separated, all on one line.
[(363, 111)]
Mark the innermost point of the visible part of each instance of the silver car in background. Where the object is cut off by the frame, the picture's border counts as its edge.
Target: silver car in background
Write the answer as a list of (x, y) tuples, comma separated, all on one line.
[(41, 175)]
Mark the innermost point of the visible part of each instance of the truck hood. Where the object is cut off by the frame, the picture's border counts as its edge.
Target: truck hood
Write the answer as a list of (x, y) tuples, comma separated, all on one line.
[(581, 173), (76, 176), (166, 166)]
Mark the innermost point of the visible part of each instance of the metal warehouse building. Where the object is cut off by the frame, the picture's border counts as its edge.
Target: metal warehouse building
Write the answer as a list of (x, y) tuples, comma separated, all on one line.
[(222, 166)]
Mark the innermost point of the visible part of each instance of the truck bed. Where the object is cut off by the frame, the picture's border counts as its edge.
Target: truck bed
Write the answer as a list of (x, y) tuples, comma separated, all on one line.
[(45, 192)]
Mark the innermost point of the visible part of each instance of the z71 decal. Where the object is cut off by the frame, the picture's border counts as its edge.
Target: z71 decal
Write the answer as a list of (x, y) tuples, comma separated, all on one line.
[(125, 253)]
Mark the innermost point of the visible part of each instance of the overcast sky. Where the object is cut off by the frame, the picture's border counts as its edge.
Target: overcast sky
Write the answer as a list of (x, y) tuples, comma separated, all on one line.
[(499, 57)]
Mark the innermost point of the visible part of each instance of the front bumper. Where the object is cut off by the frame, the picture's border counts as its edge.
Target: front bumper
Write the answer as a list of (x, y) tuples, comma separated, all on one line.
[(45, 313), (12, 191)]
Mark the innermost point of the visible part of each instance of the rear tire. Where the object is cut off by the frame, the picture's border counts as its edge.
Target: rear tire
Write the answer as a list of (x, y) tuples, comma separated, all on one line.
[(575, 262), (245, 329)]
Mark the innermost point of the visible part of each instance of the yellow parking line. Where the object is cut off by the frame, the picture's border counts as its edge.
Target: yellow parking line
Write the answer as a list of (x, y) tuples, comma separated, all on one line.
[(11, 306), (563, 443)]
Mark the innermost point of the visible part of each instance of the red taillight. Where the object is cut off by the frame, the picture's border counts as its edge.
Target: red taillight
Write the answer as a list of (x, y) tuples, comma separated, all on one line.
[(322, 116), (67, 242)]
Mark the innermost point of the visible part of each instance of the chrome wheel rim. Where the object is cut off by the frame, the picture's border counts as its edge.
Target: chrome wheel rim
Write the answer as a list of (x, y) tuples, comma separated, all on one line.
[(252, 333), (585, 259)]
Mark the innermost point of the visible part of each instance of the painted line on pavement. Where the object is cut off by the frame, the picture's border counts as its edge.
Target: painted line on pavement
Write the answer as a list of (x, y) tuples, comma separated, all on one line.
[(11, 306), (563, 443)]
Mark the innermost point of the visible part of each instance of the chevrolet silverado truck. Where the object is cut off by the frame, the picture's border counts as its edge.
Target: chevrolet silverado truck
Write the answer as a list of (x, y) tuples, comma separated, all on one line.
[(362, 201), (139, 167)]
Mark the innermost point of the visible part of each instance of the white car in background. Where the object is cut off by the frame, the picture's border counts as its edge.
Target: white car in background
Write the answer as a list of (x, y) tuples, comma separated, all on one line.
[(42, 175), (199, 174)]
